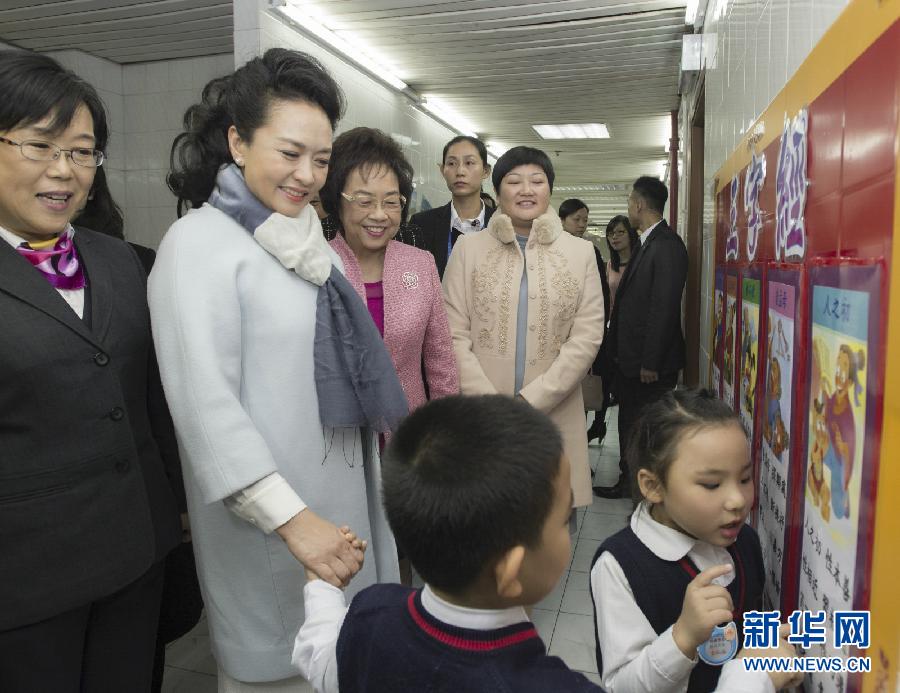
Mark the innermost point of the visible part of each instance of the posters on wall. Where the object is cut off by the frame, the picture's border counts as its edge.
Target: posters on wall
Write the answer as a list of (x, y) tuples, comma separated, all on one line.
[(750, 352), (776, 421), (839, 456), (718, 332), (730, 338)]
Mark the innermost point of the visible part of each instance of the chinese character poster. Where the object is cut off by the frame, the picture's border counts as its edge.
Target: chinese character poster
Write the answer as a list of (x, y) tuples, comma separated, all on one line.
[(839, 455), (776, 434), (730, 338), (749, 354)]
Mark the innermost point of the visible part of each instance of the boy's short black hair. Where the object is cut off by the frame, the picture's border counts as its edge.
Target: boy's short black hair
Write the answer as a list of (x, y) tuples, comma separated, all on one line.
[(466, 479)]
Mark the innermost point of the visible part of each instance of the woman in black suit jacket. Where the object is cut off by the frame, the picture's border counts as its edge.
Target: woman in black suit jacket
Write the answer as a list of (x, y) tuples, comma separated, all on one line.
[(86, 511), (464, 166)]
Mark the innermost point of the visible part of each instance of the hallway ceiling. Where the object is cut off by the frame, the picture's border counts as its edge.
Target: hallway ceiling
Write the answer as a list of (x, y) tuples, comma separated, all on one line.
[(124, 31), (503, 65)]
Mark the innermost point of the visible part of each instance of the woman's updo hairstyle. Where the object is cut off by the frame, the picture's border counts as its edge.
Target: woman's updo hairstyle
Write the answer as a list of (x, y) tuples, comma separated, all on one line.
[(242, 99)]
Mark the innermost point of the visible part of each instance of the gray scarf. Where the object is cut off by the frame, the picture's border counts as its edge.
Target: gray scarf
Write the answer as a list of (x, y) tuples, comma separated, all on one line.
[(356, 382)]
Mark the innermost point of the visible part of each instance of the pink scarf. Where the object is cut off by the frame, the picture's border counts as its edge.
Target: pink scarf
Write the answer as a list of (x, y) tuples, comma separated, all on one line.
[(57, 260)]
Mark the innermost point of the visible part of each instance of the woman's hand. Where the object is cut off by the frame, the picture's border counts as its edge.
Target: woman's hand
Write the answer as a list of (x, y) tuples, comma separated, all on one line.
[(323, 548), (352, 539)]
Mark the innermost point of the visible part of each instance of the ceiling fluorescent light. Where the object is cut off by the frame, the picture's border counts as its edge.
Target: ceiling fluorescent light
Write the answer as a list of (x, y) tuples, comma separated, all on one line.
[(496, 148), (584, 131), (448, 116), (306, 24)]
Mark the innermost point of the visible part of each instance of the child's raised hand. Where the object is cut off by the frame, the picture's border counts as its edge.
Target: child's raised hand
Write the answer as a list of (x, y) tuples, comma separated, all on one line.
[(355, 542), (780, 679), (705, 606)]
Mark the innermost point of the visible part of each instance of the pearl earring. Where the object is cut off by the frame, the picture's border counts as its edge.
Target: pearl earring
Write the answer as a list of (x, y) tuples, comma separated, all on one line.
[(239, 162)]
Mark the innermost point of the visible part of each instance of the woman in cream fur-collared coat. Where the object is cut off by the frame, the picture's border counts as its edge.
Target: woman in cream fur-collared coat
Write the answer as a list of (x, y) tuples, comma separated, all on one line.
[(525, 305)]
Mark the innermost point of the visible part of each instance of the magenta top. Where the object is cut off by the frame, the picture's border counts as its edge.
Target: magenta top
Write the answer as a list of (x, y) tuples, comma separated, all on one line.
[(375, 303)]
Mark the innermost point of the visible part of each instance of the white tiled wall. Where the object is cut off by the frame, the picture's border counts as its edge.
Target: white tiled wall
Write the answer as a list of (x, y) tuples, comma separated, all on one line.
[(155, 97), (369, 103), (759, 45), (145, 104)]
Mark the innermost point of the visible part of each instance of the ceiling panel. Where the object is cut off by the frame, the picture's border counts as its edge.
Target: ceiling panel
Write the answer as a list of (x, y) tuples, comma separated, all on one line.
[(124, 31), (504, 65)]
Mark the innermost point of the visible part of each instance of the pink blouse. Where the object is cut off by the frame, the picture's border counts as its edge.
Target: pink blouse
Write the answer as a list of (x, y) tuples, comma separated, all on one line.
[(375, 303)]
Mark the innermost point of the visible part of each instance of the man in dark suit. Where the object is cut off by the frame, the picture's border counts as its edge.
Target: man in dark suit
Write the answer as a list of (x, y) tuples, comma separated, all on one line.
[(464, 167), (646, 343)]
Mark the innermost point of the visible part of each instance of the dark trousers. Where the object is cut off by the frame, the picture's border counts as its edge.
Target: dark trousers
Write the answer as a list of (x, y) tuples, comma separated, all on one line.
[(633, 396), (102, 647)]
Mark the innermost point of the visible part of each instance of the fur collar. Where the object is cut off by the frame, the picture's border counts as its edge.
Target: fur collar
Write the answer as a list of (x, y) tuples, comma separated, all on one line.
[(545, 229)]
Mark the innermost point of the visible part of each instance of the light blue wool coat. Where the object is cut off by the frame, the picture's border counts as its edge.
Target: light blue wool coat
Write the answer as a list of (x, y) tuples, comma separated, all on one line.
[(234, 336)]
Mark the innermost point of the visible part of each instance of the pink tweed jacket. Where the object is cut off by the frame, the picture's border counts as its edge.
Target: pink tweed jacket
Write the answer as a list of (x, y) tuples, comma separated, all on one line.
[(416, 329)]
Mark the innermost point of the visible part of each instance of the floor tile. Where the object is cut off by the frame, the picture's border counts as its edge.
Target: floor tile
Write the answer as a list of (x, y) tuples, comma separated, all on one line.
[(584, 554), (573, 642), (545, 621), (612, 506), (577, 596), (181, 681), (192, 652), (553, 600), (602, 525)]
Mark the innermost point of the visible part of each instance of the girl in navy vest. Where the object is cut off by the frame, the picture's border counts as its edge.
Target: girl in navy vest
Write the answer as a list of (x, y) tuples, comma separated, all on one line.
[(670, 590)]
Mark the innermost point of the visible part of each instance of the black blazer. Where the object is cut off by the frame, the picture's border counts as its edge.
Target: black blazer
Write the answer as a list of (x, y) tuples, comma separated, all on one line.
[(85, 502), (600, 366), (431, 229), (645, 329)]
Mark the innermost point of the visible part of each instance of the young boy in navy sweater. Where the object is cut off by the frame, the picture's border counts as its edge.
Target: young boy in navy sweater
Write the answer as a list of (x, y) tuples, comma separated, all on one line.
[(477, 493)]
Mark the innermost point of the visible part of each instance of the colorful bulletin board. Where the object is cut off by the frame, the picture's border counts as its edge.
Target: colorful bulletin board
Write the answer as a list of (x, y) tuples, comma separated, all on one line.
[(842, 445), (780, 424), (814, 184), (750, 351)]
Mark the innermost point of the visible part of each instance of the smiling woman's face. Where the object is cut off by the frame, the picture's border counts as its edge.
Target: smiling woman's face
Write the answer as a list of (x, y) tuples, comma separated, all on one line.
[(524, 194), (286, 160), (39, 198)]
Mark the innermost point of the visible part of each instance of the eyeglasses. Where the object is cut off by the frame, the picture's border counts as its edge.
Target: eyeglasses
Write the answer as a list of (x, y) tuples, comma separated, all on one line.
[(368, 203), (617, 232), (38, 150)]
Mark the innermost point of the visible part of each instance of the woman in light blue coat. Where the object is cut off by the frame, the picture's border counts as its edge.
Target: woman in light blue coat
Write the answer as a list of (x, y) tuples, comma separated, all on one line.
[(247, 301)]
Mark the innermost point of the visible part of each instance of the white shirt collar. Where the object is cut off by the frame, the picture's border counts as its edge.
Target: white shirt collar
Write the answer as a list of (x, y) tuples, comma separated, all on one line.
[(646, 233), (466, 617), (671, 545), (11, 238), (466, 225)]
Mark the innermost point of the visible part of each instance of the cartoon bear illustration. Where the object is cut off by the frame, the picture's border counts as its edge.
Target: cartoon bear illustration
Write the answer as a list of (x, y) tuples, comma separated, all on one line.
[(821, 447)]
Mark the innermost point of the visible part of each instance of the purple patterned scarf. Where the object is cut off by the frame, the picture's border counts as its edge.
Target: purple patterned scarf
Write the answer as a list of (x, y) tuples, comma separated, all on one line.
[(57, 262)]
